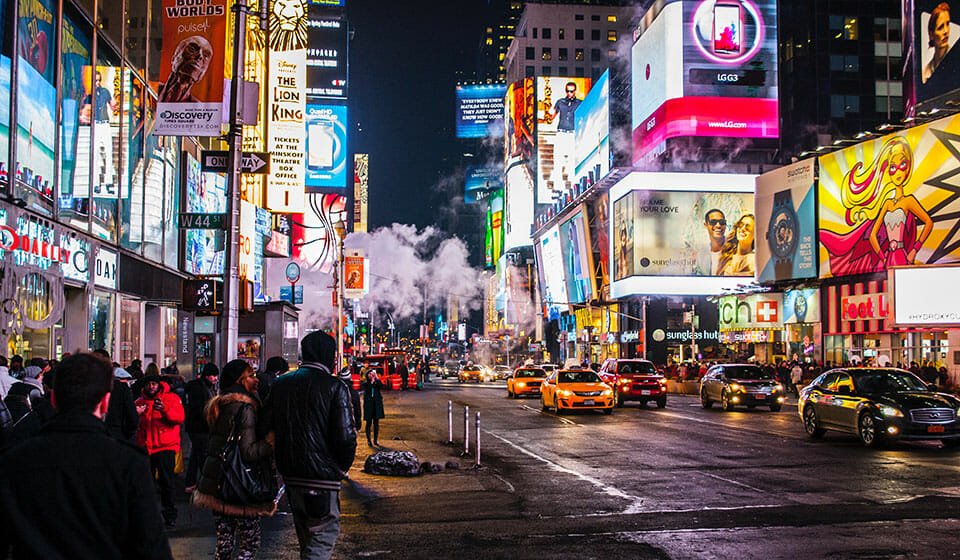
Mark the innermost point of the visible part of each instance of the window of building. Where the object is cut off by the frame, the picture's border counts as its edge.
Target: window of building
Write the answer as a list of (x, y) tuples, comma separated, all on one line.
[(131, 192), (893, 65), (595, 55), (841, 63), (534, 32), (171, 200), (850, 29), (611, 35), (596, 72), (155, 215), (106, 143), (579, 72), (562, 54), (578, 54), (563, 71), (530, 72), (578, 34), (547, 53), (136, 35), (489, 41), (612, 53), (578, 17), (546, 71), (612, 19), (844, 105), (595, 17), (545, 33), (560, 34), (594, 34), (531, 53)]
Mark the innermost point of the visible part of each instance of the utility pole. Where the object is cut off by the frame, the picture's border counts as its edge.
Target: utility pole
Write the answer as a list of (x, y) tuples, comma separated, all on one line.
[(231, 272)]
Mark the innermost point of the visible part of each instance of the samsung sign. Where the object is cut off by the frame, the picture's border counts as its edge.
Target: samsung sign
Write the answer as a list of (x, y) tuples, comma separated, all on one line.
[(924, 296)]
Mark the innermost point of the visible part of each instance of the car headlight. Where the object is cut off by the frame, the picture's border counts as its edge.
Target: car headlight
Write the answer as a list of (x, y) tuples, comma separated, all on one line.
[(521, 384), (734, 387), (566, 394), (888, 410), (624, 381), (779, 387), (607, 393)]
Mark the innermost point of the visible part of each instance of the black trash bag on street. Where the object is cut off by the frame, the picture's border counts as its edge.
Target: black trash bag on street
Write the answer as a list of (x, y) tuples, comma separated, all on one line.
[(392, 463)]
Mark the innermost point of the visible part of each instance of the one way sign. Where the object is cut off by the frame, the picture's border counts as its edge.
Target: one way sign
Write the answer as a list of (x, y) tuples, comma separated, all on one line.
[(252, 162)]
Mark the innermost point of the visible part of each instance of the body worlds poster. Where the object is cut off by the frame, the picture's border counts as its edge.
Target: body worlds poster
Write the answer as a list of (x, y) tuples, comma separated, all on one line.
[(191, 68)]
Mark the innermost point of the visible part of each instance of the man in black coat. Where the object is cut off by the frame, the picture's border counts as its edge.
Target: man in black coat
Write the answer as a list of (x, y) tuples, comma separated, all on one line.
[(72, 491), (276, 366), (311, 415), (198, 393)]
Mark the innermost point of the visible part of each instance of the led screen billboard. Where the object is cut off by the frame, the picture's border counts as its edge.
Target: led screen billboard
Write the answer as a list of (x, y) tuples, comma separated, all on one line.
[(557, 101), (786, 223), (480, 110), (918, 296), (326, 145), (205, 193), (724, 84), (326, 55), (553, 286), (519, 207), (577, 265), (891, 201), (480, 181), (592, 131), (934, 63), (681, 233), (495, 228), (518, 123), (314, 240)]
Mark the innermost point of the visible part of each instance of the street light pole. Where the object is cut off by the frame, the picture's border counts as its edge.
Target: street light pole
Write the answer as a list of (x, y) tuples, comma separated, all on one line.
[(341, 230)]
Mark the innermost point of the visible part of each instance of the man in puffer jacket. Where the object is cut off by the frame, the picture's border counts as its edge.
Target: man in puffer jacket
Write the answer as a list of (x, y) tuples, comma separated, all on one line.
[(161, 414)]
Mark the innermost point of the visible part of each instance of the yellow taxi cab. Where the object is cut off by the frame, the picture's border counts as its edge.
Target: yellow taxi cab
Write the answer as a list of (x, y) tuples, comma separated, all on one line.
[(525, 381), (576, 389)]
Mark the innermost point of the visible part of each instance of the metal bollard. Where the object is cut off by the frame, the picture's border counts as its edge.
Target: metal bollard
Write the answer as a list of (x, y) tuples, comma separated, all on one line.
[(478, 439), (449, 421), (466, 430)]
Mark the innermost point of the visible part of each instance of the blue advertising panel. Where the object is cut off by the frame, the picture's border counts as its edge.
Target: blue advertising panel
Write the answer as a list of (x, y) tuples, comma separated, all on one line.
[(480, 110), (576, 262), (786, 225), (326, 145), (480, 182), (205, 193), (592, 131)]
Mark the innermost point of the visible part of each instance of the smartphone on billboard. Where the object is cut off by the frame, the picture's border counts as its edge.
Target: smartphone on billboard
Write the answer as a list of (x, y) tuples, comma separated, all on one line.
[(320, 145), (727, 28)]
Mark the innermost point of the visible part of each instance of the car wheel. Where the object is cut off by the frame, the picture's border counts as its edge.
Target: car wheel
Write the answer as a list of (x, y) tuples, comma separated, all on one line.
[(867, 430), (775, 407), (556, 405), (811, 424), (662, 402), (725, 403), (950, 443), (608, 411), (543, 404), (704, 401)]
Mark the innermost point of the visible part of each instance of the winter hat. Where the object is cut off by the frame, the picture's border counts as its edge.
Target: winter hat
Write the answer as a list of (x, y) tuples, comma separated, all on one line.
[(319, 347), (277, 364), (231, 373), (32, 372), (210, 369), (120, 373)]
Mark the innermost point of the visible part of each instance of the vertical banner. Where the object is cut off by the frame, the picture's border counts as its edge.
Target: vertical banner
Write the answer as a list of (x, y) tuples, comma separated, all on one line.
[(785, 204), (286, 85), (361, 163), (255, 70), (353, 274), (192, 68)]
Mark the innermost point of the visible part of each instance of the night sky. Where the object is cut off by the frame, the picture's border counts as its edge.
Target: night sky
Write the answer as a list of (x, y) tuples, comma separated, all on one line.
[(403, 63)]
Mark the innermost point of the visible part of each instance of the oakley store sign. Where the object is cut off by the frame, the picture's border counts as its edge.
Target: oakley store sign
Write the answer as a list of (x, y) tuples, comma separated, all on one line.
[(32, 242), (751, 311)]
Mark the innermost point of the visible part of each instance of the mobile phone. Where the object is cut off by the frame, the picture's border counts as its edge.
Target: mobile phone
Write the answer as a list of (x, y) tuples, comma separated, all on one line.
[(283, 488), (727, 28), (321, 144)]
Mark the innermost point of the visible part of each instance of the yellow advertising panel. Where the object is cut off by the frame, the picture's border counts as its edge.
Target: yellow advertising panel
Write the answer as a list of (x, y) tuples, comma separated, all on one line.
[(892, 201), (353, 274)]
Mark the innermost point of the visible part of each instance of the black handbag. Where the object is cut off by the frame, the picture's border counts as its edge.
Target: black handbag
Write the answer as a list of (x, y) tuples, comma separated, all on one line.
[(241, 483)]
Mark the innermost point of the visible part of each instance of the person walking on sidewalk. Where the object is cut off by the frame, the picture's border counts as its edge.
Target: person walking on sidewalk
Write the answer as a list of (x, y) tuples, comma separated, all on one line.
[(161, 414), (198, 393), (372, 388), (310, 414), (73, 491), (796, 378), (235, 410)]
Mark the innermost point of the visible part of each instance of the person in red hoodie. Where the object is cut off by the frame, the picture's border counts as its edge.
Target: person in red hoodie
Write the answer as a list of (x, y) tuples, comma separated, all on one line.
[(161, 414)]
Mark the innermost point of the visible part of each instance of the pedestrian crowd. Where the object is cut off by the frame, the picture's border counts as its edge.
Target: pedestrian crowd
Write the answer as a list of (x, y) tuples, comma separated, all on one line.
[(90, 451)]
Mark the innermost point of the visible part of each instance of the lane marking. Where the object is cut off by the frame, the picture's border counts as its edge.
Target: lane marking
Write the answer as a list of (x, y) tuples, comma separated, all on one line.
[(731, 481), (635, 504), (509, 486), (560, 418)]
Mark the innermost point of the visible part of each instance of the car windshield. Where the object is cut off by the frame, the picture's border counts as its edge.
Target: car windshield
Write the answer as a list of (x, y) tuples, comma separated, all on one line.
[(530, 373), (471, 368), (887, 381), (746, 372), (578, 376), (636, 367)]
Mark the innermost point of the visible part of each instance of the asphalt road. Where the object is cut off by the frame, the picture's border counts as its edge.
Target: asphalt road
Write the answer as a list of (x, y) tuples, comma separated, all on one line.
[(681, 482)]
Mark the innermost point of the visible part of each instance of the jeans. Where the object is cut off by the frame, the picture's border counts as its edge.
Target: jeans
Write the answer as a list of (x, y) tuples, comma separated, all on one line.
[(316, 517), (237, 537), (162, 462), (198, 453)]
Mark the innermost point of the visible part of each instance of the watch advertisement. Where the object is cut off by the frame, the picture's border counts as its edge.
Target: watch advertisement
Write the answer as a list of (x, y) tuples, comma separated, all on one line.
[(801, 306), (786, 223)]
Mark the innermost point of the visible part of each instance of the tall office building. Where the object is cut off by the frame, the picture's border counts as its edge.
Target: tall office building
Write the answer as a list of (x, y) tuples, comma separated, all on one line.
[(504, 15)]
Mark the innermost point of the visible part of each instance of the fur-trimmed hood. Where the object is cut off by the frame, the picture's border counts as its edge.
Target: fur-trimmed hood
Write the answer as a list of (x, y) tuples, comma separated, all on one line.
[(216, 404)]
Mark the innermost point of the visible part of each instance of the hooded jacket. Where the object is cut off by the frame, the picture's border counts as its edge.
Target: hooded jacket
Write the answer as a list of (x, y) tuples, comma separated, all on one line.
[(159, 430)]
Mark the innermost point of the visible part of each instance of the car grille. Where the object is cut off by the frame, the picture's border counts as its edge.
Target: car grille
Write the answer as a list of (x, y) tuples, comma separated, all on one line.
[(932, 415), (533, 383), (588, 393)]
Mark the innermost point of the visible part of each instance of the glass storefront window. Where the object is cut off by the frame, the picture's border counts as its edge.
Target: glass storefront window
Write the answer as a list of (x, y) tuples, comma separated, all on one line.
[(103, 105), (131, 193), (129, 331), (75, 124), (153, 204), (169, 336), (923, 347), (36, 104), (171, 202), (110, 17), (101, 321)]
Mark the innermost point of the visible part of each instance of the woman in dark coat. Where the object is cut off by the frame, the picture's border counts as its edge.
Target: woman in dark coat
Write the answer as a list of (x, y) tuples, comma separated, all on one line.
[(372, 404), (238, 526)]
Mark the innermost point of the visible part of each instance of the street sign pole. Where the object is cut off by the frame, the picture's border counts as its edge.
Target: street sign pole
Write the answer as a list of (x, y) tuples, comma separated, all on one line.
[(231, 272)]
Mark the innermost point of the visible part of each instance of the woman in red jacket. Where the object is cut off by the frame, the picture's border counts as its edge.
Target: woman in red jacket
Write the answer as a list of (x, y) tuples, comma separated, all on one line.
[(161, 414)]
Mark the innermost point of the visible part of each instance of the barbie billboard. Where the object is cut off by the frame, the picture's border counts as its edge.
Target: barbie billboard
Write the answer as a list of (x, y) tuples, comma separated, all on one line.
[(891, 201)]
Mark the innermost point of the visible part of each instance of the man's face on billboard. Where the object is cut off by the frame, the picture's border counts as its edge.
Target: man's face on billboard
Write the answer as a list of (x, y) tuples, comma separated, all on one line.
[(571, 91), (716, 225)]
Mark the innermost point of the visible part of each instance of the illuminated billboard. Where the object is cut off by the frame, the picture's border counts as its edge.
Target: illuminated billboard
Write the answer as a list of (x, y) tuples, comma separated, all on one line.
[(553, 288), (786, 223), (557, 101), (314, 240), (577, 265), (480, 110), (326, 145), (480, 181), (326, 56), (918, 296), (891, 201), (592, 131), (361, 168), (494, 239), (518, 123), (682, 233), (518, 210), (724, 84), (205, 193), (932, 61)]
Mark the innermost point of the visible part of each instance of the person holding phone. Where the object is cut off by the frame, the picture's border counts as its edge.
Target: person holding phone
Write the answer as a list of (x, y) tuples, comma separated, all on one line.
[(161, 414), (372, 388)]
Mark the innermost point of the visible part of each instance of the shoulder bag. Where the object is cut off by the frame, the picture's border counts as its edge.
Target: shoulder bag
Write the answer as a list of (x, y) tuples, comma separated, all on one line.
[(242, 483)]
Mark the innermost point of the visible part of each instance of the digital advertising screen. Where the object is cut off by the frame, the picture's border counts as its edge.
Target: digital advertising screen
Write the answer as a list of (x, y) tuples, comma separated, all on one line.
[(918, 296), (935, 61), (205, 193), (577, 265), (480, 110), (726, 85), (891, 201), (519, 207), (326, 145), (786, 223), (592, 131), (518, 123), (327, 40), (557, 101), (495, 228), (553, 287), (682, 233), (480, 181), (314, 245)]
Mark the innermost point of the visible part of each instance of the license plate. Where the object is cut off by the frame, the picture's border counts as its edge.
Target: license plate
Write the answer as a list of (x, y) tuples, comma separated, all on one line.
[(588, 402), (644, 392), (935, 429), (759, 397)]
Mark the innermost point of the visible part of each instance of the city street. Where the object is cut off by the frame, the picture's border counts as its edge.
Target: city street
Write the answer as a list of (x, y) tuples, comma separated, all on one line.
[(681, 482)]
